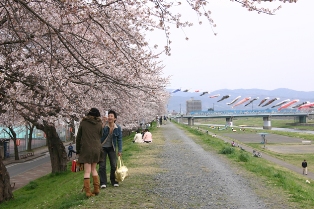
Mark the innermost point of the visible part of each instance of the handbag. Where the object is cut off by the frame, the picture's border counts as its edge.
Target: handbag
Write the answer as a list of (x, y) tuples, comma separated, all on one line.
[(73, 166), (76, 166), (121, 171)]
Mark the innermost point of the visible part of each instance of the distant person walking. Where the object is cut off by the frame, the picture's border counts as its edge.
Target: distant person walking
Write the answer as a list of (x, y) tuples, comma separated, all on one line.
[(304, 166), (71, 150), (89, 149), (160, 120), (157, 121)]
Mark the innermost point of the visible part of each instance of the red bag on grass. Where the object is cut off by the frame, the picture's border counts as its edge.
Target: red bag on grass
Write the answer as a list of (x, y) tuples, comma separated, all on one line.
[(73, 167), (76, 166)]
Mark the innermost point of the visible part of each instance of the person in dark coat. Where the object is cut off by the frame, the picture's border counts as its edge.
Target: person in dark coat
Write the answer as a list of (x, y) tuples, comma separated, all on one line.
[(89, 148), (160, 120), (304, 166), (112, 136)]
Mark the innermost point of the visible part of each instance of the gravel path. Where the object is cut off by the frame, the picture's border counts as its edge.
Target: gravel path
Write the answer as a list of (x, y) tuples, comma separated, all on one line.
[(196, 178)]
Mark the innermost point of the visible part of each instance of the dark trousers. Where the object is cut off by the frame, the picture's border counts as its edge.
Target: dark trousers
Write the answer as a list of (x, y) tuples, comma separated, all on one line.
[(113, 164), (70, 153)]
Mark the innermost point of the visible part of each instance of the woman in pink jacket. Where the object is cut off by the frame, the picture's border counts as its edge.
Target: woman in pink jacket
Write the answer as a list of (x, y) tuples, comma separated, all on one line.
[(147, 136)]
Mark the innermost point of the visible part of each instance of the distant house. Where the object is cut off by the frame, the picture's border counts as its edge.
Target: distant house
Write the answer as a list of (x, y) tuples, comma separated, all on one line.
[(193, 105)]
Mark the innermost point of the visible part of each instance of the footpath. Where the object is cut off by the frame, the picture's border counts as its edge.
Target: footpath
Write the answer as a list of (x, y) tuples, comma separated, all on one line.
[(44, 169), (32, 174)]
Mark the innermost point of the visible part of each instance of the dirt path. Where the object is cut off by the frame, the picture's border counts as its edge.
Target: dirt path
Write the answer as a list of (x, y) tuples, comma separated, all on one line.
[(196, 178)]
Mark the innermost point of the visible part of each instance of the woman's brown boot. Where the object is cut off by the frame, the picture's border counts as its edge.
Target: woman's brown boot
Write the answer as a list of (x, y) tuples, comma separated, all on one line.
[(87, 187), (96, 185)]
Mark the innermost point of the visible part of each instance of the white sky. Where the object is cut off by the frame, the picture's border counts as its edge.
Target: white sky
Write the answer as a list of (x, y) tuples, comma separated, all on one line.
[(251, 50)]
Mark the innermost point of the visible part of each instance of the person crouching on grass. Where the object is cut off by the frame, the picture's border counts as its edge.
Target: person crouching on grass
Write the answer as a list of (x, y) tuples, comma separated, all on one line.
[(148, 138), (112, 136), (89, 149)]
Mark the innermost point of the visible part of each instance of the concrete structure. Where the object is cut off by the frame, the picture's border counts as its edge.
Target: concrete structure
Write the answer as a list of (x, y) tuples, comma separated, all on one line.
[(193, 105), (303, 119), (229, 121), (267, 122)]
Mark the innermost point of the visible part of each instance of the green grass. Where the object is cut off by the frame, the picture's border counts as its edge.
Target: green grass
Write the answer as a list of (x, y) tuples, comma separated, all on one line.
[(63, 190), (294, 159), (299, 192), (51, 191)]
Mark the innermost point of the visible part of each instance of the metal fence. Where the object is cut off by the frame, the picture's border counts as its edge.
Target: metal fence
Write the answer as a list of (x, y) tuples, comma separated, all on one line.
[(23, 145), (38, 136)]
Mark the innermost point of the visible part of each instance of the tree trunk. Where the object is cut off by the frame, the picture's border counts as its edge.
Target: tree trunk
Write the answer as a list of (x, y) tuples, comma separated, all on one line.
[(5, 186), (13, 137), (58, 155), (16, 150), (30, 136)]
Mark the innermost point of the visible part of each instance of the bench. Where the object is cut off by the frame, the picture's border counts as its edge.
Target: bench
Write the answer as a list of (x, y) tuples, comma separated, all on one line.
[(24, 155), (306, 142)]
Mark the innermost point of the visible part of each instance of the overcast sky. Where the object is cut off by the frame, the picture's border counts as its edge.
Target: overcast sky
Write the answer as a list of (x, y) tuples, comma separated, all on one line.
[(250, 50)]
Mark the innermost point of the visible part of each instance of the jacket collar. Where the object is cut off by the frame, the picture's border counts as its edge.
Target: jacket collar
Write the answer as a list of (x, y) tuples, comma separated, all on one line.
[(115, 125)]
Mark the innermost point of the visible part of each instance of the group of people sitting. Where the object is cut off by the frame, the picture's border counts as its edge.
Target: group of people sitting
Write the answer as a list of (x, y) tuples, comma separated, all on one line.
[(145, 136)]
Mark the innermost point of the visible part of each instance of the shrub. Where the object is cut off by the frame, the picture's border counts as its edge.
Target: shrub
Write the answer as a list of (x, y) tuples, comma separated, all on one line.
[(244, 157), (31, 185), (227, 150)]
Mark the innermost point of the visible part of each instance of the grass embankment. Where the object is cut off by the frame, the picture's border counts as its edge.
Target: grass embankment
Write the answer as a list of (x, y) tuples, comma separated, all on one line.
[(63, 190), (291, 185), (294, 159)]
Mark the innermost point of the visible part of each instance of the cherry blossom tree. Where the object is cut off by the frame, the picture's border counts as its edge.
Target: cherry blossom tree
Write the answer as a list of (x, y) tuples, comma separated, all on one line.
[(88, 43), (55, 71)]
